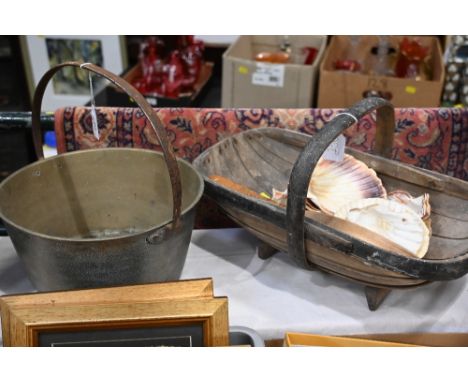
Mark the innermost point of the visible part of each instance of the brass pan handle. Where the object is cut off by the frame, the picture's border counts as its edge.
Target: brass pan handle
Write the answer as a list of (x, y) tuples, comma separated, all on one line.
[(169, 157)]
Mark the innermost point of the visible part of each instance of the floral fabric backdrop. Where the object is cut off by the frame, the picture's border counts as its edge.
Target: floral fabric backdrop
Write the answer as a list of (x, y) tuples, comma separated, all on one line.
[(435, 139)]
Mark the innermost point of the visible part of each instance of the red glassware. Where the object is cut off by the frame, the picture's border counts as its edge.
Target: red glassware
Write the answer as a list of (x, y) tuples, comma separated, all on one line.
[(352, 59), (192, 58), (311, 54), (151, 66), (410, 59), (348, 65), (173, 75), (166, 71)]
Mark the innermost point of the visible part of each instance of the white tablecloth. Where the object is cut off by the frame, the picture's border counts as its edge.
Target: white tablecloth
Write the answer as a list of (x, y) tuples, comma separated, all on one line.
[(274, 296)]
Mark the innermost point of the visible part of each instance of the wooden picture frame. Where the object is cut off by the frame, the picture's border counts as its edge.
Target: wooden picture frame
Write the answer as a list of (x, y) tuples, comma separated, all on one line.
[(70, 87), (182, 313)]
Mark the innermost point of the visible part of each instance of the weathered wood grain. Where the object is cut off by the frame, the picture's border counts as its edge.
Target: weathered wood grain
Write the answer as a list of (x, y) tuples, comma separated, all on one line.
[(136, 306), (263, 159)]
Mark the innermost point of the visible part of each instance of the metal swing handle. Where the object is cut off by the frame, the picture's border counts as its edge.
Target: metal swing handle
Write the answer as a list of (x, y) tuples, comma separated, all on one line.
[(305, 164), (169, 156)]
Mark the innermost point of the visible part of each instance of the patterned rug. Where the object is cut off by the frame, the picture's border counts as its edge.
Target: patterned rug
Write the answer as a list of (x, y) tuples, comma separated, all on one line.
[(435, 138)]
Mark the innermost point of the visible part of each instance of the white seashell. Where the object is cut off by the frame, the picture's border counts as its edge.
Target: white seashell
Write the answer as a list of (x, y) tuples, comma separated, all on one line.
[(335, 184), (420, 205), (393, 220)]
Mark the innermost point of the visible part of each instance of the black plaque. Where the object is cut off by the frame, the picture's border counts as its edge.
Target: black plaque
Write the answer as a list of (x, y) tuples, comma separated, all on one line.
[(180, 336)]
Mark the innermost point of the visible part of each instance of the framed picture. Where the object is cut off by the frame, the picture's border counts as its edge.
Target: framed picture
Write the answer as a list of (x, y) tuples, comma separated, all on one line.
[(182, 313), (70, 87)]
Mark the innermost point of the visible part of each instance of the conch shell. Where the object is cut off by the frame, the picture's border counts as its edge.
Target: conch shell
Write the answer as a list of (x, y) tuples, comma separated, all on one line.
[(391, 219), (335, 184)]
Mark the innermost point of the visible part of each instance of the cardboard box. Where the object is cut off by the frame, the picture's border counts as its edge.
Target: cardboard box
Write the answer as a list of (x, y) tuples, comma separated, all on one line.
[(339, 89), (302, 339), (389, 339), (247, 83), (184, 100)]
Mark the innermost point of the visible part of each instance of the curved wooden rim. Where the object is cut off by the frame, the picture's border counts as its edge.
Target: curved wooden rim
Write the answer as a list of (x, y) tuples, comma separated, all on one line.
[(156, 124), (424, 269), (305, 164)]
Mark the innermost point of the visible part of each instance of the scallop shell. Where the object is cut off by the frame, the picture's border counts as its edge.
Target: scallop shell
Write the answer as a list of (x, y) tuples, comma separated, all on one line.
[(420, 205), (393, 220), (335, 184)]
